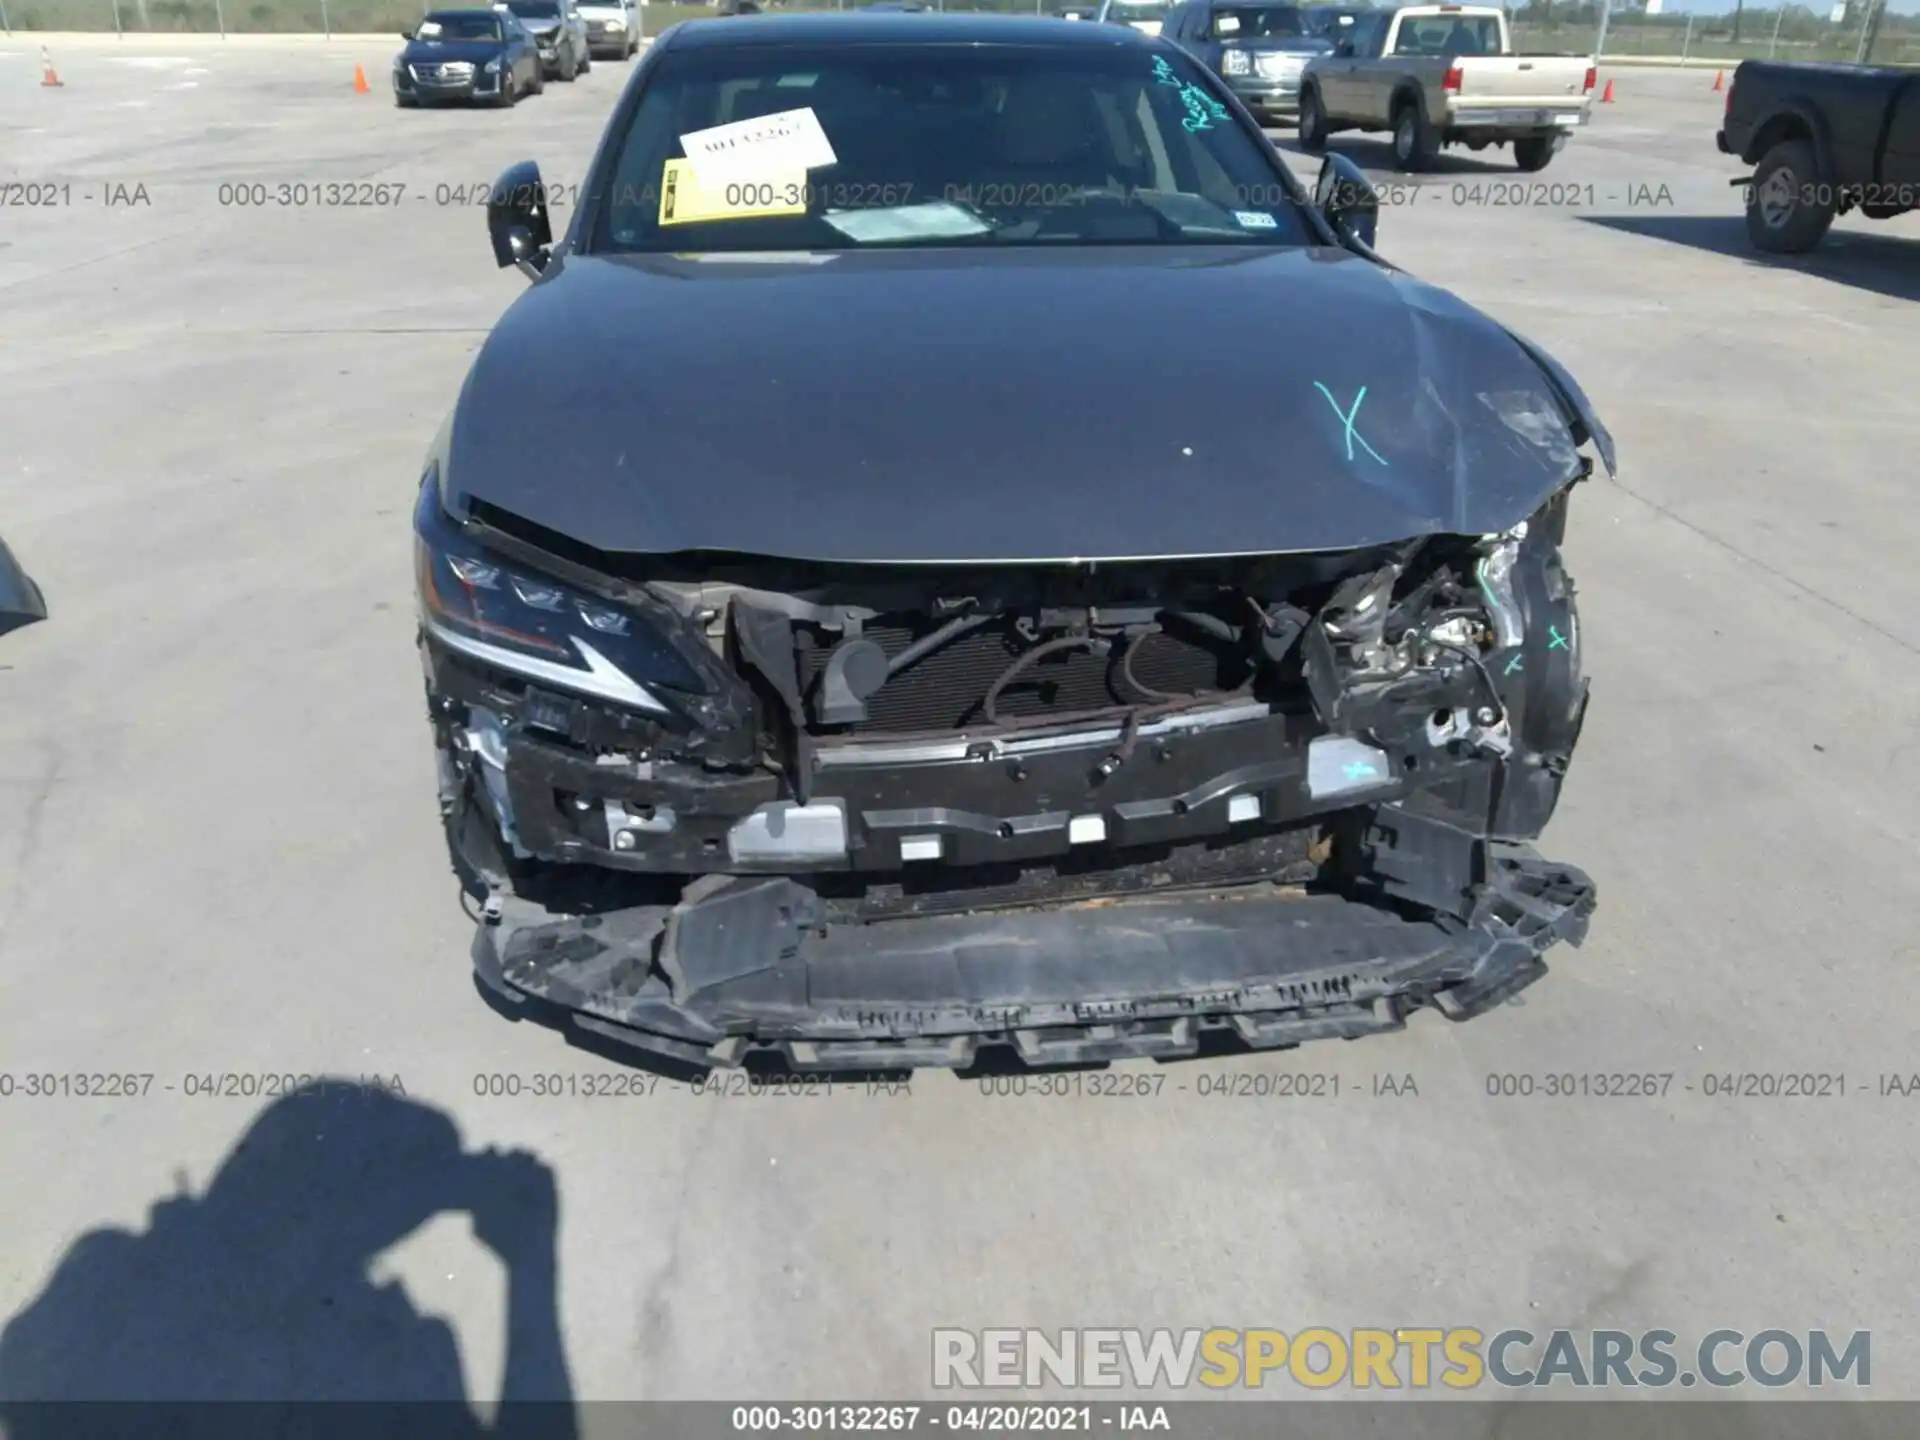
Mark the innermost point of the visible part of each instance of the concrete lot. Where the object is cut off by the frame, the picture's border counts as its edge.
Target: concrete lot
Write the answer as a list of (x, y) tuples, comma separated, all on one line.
[(219, 851)]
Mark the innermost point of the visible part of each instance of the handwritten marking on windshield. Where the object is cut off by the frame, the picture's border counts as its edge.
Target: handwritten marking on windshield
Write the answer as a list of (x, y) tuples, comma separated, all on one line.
[(1556, 641), (1203, 111), (1347, 419)]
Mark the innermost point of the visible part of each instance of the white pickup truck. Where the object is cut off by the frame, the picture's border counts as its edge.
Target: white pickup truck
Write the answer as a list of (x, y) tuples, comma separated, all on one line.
[(1437, 75)]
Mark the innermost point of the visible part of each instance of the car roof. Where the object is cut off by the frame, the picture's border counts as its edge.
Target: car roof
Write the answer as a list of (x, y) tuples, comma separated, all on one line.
[(464, 12), (915, 27)]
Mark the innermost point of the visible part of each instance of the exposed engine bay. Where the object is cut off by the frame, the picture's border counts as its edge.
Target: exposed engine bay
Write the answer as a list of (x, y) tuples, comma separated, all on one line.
[(876, 816)]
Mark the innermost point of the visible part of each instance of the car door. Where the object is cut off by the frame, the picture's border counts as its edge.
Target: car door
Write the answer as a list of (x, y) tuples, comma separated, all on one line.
[(524, 58), (576, 24), (1374, 74), (1338, 73)]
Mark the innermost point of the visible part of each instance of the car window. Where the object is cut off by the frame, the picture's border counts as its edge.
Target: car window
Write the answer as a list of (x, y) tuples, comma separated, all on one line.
[(438, 28), (1141, 14), (919, 145), (1366, 34), (1448, 35), (1257, 22)]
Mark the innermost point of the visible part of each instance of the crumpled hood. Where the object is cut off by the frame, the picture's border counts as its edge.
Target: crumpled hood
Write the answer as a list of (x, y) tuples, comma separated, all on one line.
[(1018, 405)]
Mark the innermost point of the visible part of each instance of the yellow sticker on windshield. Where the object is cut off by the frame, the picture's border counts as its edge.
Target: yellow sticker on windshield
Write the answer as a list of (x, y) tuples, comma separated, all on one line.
[(685, 201)]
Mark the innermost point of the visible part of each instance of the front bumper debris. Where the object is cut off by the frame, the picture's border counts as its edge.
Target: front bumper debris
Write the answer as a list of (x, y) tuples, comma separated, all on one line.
[(851, 850), (1428, 915)]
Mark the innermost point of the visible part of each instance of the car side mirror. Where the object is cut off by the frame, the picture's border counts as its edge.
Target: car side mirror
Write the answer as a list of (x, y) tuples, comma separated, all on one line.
[(21, 602), (1347, 200), (1343, 48), (407, 35), (517, 220)]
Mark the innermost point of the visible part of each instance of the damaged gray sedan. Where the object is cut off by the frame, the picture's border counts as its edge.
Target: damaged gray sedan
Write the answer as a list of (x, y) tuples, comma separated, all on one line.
[(957, 549)]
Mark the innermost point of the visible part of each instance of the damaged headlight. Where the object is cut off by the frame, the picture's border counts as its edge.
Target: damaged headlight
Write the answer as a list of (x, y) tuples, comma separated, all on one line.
[(505, 614)]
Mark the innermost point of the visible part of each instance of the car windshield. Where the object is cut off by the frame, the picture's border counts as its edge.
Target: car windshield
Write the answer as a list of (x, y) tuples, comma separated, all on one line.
[(535, 9), (1330, 23), (437, 28), (1448, 35), (856, 146), (1147, 13), (1259, 22)]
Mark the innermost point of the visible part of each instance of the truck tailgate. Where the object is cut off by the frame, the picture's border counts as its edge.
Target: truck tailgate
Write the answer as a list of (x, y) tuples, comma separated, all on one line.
[(1521, 82)]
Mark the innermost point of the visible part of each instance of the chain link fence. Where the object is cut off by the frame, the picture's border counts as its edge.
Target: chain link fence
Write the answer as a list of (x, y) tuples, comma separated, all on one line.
[(1792, 32)]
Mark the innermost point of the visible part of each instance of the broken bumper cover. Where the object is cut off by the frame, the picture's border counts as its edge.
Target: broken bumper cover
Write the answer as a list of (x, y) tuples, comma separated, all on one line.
[(746, 964)]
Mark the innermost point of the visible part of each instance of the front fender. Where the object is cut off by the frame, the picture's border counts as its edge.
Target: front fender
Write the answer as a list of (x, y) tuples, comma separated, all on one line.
[(1581, 417)]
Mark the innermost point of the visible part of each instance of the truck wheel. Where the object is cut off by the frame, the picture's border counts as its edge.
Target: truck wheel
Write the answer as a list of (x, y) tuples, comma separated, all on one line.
[(1413, 147), (1534, 152), (1781, 218), (1312, 127)]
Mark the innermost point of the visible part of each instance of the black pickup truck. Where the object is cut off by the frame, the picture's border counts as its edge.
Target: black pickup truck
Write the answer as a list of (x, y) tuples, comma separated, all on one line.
[(1824, 139)]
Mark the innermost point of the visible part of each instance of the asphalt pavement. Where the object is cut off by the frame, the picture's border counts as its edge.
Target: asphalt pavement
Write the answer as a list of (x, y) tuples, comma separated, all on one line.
[(220, 859)]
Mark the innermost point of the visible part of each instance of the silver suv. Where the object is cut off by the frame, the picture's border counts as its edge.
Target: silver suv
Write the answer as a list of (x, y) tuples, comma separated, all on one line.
[(613, 28), (558, 31)]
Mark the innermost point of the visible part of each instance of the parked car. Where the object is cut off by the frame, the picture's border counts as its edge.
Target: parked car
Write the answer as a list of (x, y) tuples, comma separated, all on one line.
[(613, 28), (472, 55), (1824, 140), (1259, 50), (884, 709), (21, 603), (1146, 16), (1438, 75), (560, 34)]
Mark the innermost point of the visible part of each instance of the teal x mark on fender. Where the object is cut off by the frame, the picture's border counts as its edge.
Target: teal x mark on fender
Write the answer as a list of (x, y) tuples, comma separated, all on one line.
[(1347, 419), (1359, 770)]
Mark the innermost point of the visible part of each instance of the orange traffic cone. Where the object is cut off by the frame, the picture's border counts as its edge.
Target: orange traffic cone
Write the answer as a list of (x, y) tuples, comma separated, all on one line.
[(48, 75), (1719, 81), (1606, 95), (360, 86)]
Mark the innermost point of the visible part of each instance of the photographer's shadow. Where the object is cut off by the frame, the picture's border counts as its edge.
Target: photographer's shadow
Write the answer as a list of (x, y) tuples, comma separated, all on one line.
[(259, 1290)]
